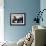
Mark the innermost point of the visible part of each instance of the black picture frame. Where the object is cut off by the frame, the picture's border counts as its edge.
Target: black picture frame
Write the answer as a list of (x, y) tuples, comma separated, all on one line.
[(17, 19)]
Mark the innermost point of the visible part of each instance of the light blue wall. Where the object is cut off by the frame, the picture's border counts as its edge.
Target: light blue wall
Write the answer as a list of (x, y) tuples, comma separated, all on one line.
[(43, 6), (30, 7)]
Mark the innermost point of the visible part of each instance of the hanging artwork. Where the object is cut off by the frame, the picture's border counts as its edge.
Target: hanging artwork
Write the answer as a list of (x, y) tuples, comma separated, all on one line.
[(17, 19)]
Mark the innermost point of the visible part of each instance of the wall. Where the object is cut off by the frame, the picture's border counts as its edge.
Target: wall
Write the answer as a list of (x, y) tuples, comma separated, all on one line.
[(43, 6), (1, 21), (30, 7)]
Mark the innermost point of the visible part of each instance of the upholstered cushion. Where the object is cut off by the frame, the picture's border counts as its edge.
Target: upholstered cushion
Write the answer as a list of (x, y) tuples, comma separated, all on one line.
[(10, 43), (20, 42)]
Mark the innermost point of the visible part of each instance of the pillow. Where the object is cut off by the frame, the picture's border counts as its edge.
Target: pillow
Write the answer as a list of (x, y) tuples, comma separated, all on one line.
[(28, 40), (20, 42), (10, 43)]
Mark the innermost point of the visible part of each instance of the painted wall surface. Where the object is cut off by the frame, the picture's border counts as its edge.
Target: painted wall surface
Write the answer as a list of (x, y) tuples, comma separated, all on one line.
[(30, 7), (43, 6)]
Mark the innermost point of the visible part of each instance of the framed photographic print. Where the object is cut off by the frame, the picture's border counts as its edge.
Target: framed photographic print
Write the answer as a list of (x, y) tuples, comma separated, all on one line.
[(17, 19)]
